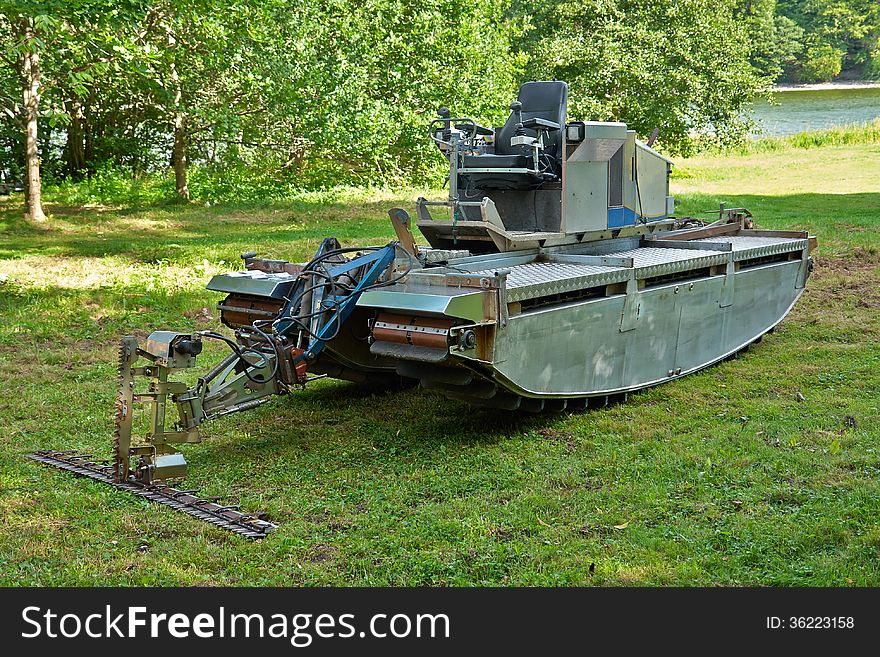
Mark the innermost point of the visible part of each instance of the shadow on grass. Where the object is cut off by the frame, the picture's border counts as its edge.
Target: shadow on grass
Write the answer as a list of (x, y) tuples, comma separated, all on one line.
[(190, 232), (409, 417)]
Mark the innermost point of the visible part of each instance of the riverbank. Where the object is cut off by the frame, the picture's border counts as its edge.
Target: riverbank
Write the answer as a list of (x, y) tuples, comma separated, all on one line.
[(815, 107), (844, 135), (827, 86)]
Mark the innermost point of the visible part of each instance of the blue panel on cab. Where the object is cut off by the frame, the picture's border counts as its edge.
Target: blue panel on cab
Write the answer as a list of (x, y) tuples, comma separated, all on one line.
[(616, 217)]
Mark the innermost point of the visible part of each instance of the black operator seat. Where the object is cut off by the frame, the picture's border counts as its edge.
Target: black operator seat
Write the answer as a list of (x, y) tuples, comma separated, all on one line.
[(541, 102)]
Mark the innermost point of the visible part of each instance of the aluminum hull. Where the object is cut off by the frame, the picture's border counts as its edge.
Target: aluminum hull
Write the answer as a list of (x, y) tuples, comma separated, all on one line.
[(681, 330), (594, 320)]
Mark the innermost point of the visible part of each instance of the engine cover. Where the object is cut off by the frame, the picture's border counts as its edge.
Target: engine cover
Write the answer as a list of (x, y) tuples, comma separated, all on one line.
[(253, 295)]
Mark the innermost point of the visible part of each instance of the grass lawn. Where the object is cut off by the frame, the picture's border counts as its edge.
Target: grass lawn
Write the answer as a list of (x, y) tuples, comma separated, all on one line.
[(764, 470)]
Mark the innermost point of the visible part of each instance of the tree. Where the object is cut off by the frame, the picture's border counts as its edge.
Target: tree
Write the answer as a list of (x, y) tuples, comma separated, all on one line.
[(822, 62), (50, 43), (682, 67), (774, 41), (268, 94), (365, 77), (838, 35), (333, 92), (205, 69), (788, 45), (22, 53)]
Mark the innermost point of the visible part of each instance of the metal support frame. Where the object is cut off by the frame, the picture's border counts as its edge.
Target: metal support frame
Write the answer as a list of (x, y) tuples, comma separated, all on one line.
[(238, 383), (727, 288), (378, 262), (501, 287), (630, 315)]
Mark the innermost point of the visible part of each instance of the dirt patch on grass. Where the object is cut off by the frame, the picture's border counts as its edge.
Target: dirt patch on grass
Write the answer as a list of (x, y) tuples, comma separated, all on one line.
[(321, 553), (854, 276), (858, 261), (202, 316), (566, 438)]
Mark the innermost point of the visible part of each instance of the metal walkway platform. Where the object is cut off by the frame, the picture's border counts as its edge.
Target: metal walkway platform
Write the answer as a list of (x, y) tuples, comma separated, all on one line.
[(559, 274), (456, 288), (540, 279), (755, 246)]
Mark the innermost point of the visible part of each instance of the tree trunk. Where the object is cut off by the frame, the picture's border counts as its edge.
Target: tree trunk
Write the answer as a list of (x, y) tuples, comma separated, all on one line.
[(74, 150), (31, 95), (89, 134), (178, 153), (178, 156)]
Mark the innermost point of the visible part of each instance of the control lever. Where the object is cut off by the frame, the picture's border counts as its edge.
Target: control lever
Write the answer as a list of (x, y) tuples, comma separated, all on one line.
[(516, 108), (443, 113)]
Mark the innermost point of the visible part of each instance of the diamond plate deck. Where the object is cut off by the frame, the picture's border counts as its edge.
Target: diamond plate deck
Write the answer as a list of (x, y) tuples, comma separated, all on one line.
[(538, 279), (754, 246), (650, 261)]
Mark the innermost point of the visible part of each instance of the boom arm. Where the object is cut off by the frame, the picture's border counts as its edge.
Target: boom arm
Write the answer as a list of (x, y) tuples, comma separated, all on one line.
[(265, 361)]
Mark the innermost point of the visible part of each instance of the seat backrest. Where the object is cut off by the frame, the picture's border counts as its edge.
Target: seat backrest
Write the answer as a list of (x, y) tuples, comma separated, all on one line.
[(543, 100)]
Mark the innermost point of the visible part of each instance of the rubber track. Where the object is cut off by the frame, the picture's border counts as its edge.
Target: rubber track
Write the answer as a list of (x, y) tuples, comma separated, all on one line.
[(244, 524)]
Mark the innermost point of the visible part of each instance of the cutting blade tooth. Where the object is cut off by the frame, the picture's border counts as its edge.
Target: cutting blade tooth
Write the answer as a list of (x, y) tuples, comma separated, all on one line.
[(123, 407)]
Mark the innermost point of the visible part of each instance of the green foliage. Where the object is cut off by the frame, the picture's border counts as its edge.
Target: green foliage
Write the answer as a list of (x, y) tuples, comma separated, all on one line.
[(811, 40), (822, 62), (872, 67), (314, 94), (265, 97), (114, 186), (370, 75), (838, 35), (787, 44), (774, 40), (668, 65)]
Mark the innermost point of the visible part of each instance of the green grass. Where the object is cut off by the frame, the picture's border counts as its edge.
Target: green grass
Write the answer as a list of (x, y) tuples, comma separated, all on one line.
[(724, 477)]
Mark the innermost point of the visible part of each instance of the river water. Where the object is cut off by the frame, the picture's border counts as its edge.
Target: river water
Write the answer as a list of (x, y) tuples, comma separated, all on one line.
[(795, 111)]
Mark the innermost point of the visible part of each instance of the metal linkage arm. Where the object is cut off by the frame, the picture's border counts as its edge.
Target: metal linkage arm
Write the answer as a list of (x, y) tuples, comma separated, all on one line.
[(259, 367), (340, 307)]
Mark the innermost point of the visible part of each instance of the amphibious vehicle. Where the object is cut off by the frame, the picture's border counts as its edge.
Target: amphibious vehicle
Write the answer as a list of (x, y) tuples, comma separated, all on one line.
[(556, 275)]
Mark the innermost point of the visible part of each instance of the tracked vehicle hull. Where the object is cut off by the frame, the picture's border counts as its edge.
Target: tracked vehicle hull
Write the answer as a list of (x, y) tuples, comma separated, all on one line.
[(592, 320)]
